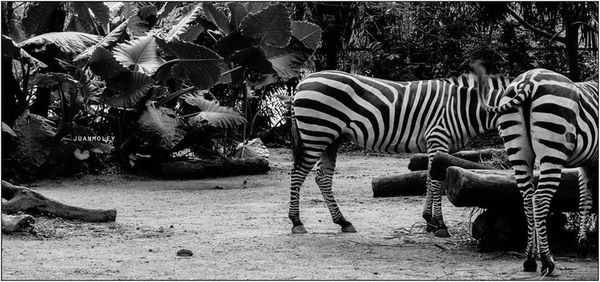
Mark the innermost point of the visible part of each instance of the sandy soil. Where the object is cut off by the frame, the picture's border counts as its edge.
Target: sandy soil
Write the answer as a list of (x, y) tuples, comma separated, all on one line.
[(242, 232)]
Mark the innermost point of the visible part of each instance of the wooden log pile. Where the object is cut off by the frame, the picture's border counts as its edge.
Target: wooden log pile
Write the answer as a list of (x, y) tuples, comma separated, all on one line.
[(502, 226), (16, 199), (414, 183), (471, 184)]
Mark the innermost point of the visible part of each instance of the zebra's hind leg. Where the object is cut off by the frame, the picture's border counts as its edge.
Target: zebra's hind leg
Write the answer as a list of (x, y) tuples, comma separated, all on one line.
[(302, 167), (544, 192), (324, 177), (520, 154), (427, 208), (585, 206), (524, 178), (432, 211), (298, 175), (441, 230)]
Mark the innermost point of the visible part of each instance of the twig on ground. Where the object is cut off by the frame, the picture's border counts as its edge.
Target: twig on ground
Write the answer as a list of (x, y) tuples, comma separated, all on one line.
[(374, 245)]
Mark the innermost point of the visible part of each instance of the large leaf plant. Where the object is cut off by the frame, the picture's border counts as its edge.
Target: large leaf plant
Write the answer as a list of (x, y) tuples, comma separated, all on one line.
[(155, 70)]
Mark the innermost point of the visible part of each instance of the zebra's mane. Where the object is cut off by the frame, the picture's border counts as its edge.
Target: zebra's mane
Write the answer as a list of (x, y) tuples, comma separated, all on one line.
[(471, 78)]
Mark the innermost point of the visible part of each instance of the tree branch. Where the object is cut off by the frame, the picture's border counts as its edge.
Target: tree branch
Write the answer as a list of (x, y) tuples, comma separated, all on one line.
[(535, 29)]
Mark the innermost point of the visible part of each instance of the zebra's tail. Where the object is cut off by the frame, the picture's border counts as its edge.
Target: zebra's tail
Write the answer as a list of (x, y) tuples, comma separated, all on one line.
[(514, 102), (296, 141)]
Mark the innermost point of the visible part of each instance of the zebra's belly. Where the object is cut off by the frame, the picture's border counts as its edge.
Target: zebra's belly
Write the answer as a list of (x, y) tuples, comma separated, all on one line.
[(390, 145)]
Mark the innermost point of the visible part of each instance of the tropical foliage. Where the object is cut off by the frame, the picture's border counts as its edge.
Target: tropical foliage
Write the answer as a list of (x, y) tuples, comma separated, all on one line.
[(142, 72)]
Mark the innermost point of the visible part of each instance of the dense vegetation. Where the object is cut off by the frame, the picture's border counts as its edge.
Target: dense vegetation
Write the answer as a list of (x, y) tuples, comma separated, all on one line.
[(169, 79)]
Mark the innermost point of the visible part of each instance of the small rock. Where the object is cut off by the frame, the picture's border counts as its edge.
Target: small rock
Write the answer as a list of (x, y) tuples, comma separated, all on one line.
[(184, 253)]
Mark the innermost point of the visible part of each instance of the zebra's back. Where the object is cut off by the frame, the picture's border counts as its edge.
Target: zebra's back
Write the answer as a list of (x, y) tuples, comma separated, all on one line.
[(379, 115)]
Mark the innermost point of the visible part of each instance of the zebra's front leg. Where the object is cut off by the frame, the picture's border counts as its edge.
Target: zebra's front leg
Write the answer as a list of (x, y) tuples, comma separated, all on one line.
[(324, 178)]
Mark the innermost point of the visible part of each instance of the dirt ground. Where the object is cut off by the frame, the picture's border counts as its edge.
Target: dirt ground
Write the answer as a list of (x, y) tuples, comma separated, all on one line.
[(239, 231)]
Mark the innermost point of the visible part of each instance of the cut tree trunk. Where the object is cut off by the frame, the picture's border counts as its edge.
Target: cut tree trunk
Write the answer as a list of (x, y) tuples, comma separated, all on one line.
[(415, 183), (419, 161), (19, 198), (405, 184), (196, 169), (497, 189)]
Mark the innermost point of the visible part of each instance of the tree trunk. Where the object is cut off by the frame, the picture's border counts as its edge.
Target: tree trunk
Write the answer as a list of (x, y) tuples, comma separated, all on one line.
[(497, 189), (572, 44), (419, 161), (197, 169), (405, 184), (21, 198), (12, 96)]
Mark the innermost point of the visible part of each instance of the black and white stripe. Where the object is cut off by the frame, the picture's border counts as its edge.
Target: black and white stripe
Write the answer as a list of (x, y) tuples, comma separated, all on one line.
[(544, 117), (383, 116)]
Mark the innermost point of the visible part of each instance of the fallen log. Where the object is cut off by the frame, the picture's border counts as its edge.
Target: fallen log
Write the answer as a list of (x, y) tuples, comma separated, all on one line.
[(199, 168), (405, 184), (19, 198), (419, 161), (17, 223), (497, 189), (414, 183)]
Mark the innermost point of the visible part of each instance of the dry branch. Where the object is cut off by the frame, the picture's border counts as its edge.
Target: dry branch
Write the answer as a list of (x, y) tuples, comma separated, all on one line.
[(21, 198)]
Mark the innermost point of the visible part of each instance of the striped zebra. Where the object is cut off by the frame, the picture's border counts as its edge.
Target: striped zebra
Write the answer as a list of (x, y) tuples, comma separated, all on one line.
[(544, 117), (384, 116)]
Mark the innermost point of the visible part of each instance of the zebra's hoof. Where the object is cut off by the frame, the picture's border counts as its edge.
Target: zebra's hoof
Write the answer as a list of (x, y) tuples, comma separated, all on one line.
[(299, 229), (547, 265), (529, 265), (441, 232), (349, 229), (429, 228)]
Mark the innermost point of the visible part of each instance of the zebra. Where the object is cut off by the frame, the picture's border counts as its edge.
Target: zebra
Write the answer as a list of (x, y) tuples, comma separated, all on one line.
[(545, 117), (384, 116)]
